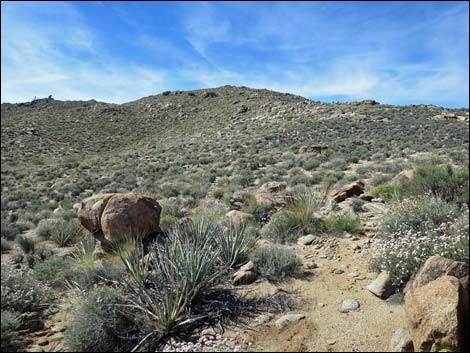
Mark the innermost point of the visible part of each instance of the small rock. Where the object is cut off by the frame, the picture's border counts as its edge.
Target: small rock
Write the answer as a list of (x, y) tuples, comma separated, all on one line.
[(331, 342), (348, 305), (306, 240), (289, 318), (338, 271), (381, 286), (401, 341), (43, 341), (356, 247), (311, 265), (264, 319), (321, 305)]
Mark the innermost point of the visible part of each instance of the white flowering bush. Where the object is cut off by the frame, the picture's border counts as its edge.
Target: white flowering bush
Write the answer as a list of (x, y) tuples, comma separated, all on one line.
[(417, 229)]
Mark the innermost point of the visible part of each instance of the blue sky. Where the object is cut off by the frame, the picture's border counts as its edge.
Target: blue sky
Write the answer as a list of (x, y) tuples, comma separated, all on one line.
[(394, 52)]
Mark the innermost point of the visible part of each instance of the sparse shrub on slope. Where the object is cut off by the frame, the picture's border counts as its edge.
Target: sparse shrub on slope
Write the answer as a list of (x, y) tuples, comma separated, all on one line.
[(99, 323), (417, 229), (11, 341), (442, 181), (343, 222), (276, 262)]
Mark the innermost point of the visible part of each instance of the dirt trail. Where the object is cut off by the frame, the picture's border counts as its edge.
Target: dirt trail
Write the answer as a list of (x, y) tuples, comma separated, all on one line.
[(325, 328)]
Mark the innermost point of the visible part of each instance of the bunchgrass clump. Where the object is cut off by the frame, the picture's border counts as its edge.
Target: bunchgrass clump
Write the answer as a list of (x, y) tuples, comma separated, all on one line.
[(339, 223), (297, 219), (276, 262), (100, 324)]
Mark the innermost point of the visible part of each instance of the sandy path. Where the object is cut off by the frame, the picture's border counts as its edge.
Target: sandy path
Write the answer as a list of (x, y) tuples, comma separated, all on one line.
[(369, 329)]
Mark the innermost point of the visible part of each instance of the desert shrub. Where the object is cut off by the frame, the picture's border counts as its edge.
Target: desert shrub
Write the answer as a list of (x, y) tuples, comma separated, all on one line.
[(343, 222), (66, 232), (10, 324), (21, 292), (51, 271), (26, 244), (442, 181), (6, 245), (46, 227), (275, 262), (385, 191), (9, 231), (417, 229), (261, 213), (311, 164), (99, 323), (171, 212)]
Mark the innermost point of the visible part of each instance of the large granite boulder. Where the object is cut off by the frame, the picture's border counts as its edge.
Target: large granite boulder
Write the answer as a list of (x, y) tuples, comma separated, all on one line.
[(112, 217)]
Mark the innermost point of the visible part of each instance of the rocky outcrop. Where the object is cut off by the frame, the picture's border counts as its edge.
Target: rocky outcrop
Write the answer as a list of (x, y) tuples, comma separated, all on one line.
[(239, 218), (436, 304), (111, 217), (345, 190), (245, 275), (403, 176), (271, 187)]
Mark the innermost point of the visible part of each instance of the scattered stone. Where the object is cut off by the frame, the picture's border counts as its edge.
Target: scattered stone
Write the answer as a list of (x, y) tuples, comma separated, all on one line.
[(306, 240), (272, 186), (287, 319), (43, 341), (331, 342), (381, 286), (321, 305), (356, 247), (338, 271), (264, 319), (401, 341), (348, 305), (344, 190), (311, 265)]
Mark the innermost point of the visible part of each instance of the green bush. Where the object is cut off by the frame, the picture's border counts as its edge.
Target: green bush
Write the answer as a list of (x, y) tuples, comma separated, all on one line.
[(26, 244), (99, 323), (343, 222), (6, 245), (51, 271), (442, 181), (385, 191), (46, 227), (276, 262), (11, 341)]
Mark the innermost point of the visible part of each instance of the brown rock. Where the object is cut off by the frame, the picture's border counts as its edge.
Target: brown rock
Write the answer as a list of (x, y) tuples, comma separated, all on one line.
[(405, 175), (130, 215), (90, 211), (436, 314), (437, 266), (238, 218), (243, 277), (272, 200), (344, 190)]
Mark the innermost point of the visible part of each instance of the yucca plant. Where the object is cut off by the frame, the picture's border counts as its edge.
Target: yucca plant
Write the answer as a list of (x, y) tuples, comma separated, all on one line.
[(65, 231), (234, 245), (173, 274)]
